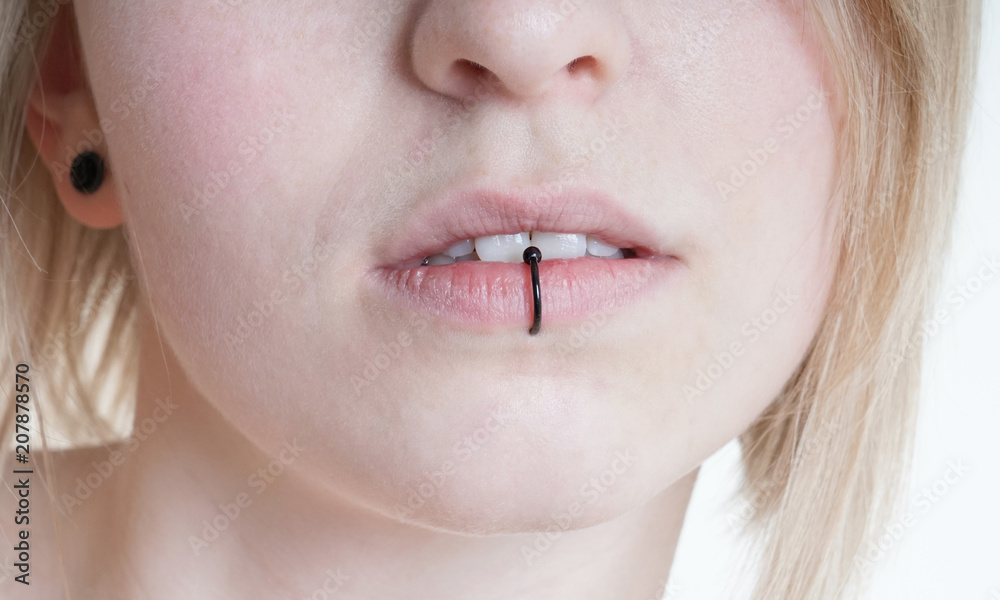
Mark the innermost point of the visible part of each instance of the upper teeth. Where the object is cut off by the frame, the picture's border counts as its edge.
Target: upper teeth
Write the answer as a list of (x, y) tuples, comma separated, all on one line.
[(510, 248)]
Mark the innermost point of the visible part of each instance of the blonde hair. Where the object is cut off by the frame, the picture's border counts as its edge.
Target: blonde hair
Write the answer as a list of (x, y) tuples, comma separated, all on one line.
[(904, 71)]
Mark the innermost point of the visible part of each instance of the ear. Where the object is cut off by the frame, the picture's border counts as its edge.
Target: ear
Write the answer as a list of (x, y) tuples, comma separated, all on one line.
[(62, 121)]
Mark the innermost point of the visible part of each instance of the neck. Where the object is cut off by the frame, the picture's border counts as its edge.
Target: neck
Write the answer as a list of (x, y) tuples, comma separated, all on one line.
[(210, 505)]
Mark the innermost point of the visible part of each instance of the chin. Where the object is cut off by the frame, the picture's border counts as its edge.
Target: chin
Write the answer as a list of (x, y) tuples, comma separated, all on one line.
[(513, 486)]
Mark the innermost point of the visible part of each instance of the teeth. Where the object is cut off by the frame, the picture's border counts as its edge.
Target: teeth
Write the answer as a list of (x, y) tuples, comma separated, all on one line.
[(460, 249), (510, 248), (440, 259), (598, 248), (503, 248), (559, 245)]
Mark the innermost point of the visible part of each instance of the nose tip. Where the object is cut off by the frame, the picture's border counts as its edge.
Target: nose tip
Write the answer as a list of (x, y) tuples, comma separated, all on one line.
[(524, 48)]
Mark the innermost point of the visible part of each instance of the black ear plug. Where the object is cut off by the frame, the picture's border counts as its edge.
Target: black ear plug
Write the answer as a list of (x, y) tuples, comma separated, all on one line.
[(531, 256)]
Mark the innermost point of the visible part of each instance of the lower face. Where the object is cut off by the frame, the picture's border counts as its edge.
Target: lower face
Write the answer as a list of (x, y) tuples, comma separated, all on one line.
[(263, 193)]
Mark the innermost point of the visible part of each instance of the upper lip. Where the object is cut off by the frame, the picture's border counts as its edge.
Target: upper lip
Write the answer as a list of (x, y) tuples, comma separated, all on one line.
[(492, 210)]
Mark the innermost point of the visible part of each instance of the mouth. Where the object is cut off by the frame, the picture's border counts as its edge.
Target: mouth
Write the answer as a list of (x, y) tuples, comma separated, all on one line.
[(461, 260)]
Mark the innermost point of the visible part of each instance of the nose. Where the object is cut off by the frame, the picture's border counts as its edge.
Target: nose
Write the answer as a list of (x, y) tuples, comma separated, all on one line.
[(524, 48)]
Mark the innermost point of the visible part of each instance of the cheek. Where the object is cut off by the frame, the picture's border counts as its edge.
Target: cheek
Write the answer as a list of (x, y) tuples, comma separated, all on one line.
[(752, 132), (239, 191), (221, 216)]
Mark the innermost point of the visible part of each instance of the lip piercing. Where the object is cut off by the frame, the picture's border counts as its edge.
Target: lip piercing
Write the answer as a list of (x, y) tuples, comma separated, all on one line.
[(531, 256)]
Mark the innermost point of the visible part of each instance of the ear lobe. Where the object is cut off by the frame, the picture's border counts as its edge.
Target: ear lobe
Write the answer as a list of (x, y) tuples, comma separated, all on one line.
[(62, 121)]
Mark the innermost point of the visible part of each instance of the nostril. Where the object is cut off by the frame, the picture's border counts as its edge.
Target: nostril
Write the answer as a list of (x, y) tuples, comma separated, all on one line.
[(585, 62), (470, 66)]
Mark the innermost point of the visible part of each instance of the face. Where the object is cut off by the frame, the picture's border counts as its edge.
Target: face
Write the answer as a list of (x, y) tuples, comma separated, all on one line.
[(282, 171)]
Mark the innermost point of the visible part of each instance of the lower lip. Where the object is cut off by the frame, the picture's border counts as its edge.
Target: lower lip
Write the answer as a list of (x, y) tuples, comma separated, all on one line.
[(498, 293)]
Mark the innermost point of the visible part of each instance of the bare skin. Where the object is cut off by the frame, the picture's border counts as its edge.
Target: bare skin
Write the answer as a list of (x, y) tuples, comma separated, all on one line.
[(438, 477)]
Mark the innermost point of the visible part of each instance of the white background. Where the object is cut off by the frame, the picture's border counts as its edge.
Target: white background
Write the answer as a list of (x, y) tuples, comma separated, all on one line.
[(952, 549)]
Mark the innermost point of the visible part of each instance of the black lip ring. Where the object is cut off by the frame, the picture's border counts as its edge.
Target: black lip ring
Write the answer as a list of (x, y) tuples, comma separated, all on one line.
[(531, 256)]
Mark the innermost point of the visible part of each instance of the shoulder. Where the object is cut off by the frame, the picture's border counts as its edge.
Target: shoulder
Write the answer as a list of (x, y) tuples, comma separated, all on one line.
[(32, 511)]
